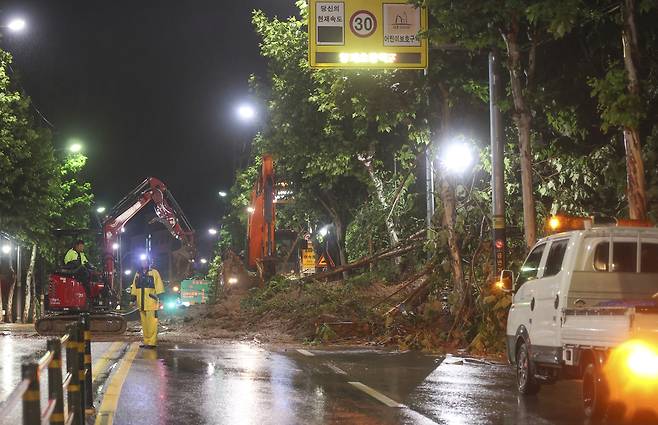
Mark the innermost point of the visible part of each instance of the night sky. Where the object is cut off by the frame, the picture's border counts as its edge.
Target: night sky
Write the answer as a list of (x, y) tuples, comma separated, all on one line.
[(149, 86)]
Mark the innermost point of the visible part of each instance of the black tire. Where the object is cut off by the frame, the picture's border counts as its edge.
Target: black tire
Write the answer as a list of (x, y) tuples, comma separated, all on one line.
[(526, 382), (595, 393)]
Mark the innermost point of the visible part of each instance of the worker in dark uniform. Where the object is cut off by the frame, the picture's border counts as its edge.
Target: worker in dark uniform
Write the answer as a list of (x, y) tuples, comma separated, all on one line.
[(76, 261), (147, 286)]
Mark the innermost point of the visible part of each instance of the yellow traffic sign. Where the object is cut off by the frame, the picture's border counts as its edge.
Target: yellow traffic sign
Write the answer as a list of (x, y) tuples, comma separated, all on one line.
[(367, 34), (308, 260)]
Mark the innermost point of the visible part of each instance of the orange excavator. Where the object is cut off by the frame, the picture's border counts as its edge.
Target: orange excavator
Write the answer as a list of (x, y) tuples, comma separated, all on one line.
[(67, 296), (263, 237)]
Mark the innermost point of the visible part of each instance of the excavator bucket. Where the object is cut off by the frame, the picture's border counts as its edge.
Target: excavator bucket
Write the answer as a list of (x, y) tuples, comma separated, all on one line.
[(107, 324)]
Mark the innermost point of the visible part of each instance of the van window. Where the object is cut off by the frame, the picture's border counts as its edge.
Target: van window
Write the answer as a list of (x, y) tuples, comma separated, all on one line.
[(624, 257), (531, 266), (649, 258), (555, 257)]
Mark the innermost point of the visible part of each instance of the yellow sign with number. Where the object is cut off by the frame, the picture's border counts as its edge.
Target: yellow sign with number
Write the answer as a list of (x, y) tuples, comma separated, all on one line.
[(367, 34)]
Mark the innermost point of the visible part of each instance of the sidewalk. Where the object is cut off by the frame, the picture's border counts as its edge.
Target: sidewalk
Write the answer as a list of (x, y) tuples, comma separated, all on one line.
[(17, 328)]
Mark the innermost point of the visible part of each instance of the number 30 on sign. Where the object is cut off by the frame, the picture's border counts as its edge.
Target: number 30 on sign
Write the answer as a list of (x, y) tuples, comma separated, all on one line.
[(363, 23)]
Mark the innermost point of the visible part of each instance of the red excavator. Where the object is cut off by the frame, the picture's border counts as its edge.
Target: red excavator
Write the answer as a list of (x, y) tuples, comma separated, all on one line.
[(67, 297)]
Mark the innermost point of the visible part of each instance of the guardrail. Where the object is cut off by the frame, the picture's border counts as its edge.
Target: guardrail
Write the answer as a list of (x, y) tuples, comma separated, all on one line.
[(76, 382)]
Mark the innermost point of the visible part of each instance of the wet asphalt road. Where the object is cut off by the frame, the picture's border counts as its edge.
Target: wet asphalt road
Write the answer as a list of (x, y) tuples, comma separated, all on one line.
[(243, 383)]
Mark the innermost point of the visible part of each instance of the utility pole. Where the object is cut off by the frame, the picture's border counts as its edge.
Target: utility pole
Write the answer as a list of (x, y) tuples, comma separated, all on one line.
[(19, 285), (429, 184), (497, 167)]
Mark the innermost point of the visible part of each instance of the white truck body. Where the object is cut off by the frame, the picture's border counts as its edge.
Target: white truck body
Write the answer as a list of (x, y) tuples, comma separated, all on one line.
[(583, 291)]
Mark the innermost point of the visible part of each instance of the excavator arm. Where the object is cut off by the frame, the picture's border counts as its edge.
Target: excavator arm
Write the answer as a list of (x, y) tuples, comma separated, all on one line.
[(167, 210)]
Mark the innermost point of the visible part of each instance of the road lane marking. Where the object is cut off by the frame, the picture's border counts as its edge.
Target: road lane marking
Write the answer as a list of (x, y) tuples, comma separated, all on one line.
[(305, 352), (377, 395), (109, 354), (110, 402), (336, 369)]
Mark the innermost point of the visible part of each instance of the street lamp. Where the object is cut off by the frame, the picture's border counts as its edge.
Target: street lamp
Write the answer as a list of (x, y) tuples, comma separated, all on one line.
[(100, 210), (222, 194), (6, 249), (16, 25), (457, 157), (246, 112), (75, 147), (212, 231), (204, 261), (143, 257)]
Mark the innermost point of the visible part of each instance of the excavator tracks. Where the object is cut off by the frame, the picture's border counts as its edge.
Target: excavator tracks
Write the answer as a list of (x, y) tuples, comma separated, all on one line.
[(108, 324)]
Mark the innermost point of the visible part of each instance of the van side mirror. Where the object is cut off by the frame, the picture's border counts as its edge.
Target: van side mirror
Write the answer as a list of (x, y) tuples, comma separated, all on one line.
[(506, 281)]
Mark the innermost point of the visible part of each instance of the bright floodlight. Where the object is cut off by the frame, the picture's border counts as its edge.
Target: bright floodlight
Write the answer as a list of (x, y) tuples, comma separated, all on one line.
[(246, 112), (324, 231), (6, 249), (75, 147), (457, 158), (127, 272), (212, 231), (251, 210), (222, 194), (16, 25), (100, 210), (115, 246), (143, 257), (204, 261)]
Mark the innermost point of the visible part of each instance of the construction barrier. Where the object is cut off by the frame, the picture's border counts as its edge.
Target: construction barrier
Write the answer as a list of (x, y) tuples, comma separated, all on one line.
[(76, 382)]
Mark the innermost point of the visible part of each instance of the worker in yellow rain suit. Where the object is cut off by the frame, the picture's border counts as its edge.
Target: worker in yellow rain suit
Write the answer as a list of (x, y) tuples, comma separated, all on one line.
[(147, 285)]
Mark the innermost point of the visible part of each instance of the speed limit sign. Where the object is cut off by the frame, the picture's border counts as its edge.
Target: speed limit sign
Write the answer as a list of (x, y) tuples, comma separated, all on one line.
[(363, 23)]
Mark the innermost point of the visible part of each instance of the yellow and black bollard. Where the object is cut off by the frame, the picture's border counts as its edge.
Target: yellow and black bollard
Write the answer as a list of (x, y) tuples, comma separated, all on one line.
[(89, 395), (32, 396), (73, 365), (81, 364), (55, 390)]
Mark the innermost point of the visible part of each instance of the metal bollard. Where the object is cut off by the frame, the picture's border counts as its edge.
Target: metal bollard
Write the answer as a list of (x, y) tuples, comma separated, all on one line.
[(73, 367), (55, 390), (81, 364), (89, 395), (32, 396)]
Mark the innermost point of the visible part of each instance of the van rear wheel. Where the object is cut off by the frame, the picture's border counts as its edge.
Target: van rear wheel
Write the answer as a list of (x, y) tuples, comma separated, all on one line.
[(526, 382), (595, 393)]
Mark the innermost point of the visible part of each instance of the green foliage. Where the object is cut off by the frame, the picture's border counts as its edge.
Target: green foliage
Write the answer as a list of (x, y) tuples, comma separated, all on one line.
[(618, 107)]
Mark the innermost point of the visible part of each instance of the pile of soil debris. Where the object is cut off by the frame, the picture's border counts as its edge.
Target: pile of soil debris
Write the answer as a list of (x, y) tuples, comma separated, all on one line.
[(360, 310)]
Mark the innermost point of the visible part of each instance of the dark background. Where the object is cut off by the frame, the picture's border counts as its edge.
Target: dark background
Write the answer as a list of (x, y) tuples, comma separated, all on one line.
[(150, 87)]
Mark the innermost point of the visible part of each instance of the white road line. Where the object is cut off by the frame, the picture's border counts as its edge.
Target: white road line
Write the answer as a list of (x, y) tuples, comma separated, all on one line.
[(336, 369), (305, 352), (377, 395)]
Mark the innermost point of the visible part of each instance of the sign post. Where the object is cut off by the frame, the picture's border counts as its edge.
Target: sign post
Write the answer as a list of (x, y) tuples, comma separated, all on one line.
[(375, 34)]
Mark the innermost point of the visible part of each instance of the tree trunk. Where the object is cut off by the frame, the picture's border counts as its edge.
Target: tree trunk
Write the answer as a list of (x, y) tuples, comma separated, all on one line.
[(340, 231), (381, 197), (636, 191), (10, 296), (523, 122), (29, 285)]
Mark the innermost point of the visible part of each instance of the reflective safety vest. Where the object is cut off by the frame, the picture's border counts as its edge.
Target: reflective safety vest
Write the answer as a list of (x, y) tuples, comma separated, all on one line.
[(144, 285), (73, 255)]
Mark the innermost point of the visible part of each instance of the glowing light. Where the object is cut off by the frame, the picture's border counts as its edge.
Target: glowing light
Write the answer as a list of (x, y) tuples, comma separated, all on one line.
[(143, 257), (123, 230), (554, 223), (171, 306), (186, 303), (212, 231), (632, 374), (500, 284), (251, 210), (16, 25), (115, 246), (75, 148), (100, 210), (372, 57), (175, 289), (222, 194), (457, 158), (6, 249), (232, 280), (204, 261), (324, 231), (128, 272), (246, 112)]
